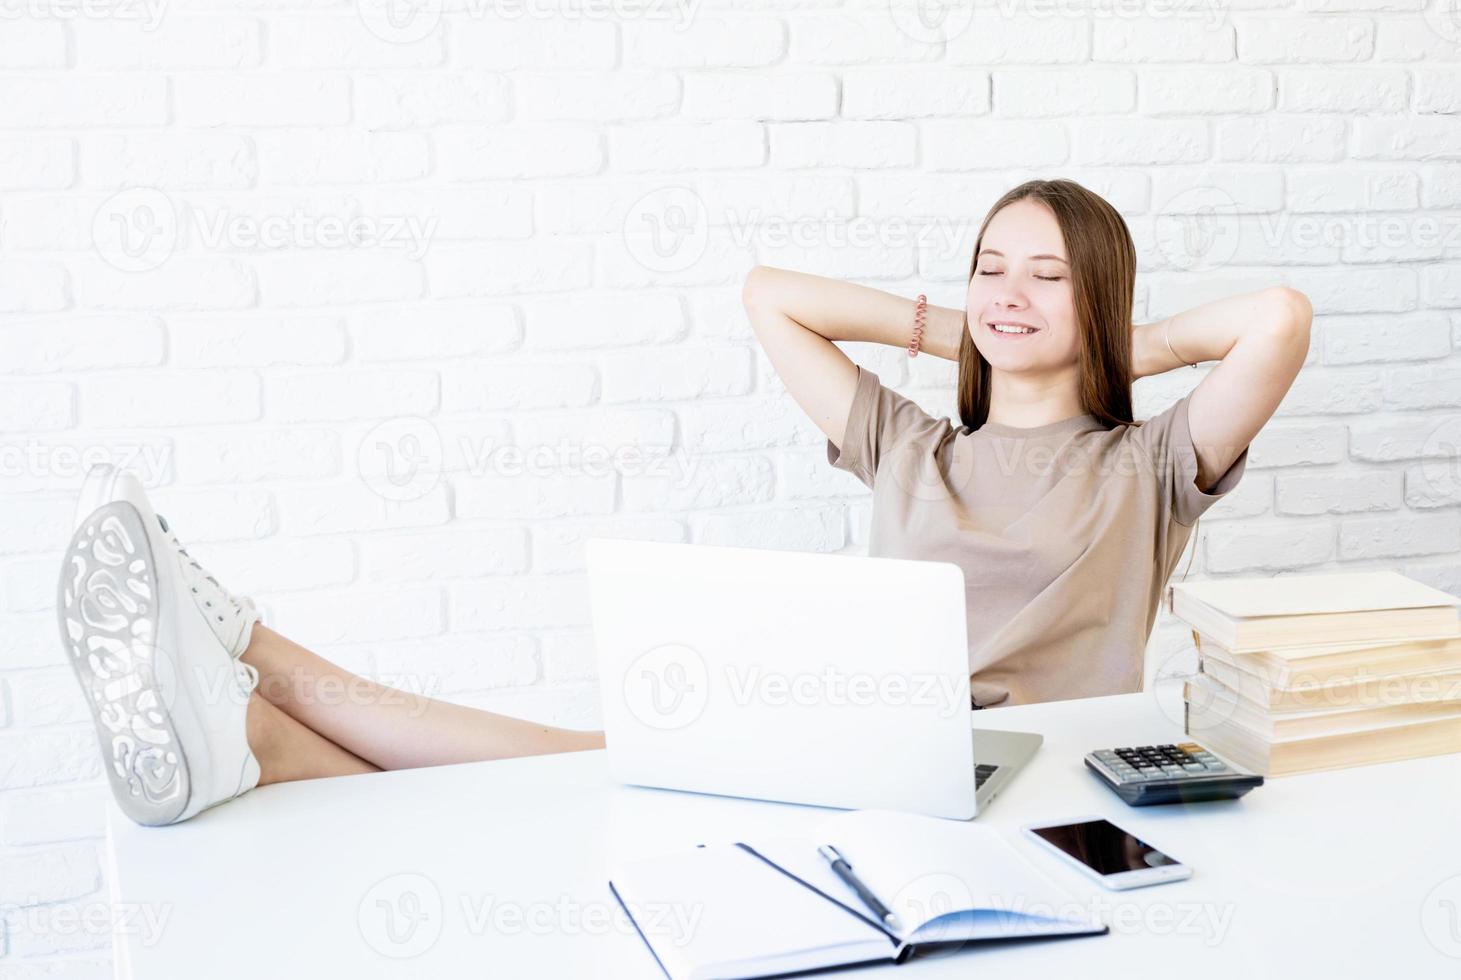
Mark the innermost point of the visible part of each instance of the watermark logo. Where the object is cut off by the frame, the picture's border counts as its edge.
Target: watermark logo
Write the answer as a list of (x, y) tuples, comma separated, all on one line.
[(1208, 921), (400, 21), (1197, 704), (1364, 232), (401, 458), (667, 230), (1212, 13), (148, 13), (96, 921), (932, 903), (1440, 917), (1440, 465), (412, 21), (135, 230), (667, 687), (139, 229), (931, 21), (69, 463), (670, 923), (401, 916), (1196, 229)]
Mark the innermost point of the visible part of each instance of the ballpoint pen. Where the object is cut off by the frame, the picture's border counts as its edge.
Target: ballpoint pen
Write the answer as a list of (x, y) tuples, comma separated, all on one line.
[(844, 871)]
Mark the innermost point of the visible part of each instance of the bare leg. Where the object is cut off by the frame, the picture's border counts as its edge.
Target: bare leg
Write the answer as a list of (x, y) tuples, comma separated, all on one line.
[(389, 728), (287, 750)]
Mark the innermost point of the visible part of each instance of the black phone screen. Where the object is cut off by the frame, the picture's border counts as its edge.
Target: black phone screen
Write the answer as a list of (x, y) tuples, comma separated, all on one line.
[(1104, 847)]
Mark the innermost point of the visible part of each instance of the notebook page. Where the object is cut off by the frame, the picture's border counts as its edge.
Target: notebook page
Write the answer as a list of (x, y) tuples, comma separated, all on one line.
[(720, 911), (929, 870), (798, 856)]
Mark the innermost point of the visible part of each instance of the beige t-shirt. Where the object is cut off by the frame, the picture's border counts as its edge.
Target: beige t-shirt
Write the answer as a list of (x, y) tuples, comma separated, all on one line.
[(1066, 532)]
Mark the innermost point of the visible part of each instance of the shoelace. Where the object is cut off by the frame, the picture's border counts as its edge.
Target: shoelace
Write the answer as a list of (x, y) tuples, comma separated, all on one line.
[(208, 576), (247, 676)]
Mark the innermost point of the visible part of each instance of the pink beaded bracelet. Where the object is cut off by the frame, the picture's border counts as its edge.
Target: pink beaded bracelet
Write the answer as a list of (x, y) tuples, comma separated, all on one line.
[(920, 316)]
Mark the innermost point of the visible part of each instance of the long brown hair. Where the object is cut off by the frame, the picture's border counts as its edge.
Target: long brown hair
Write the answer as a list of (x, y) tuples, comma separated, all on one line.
[(1103, 275)]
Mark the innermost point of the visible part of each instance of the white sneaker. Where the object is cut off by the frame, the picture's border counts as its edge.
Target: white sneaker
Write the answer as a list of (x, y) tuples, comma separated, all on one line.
[(230, 617), (168, 698)]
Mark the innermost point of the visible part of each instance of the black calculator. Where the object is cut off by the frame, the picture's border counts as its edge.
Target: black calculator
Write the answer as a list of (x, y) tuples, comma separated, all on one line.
[(1145, 775)]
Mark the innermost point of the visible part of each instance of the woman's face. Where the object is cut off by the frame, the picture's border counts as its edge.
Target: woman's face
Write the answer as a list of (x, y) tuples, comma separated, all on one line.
[(1022, 276)]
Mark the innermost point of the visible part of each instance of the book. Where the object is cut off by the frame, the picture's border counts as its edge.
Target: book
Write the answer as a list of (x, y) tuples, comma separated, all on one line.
[(1218, 699), (1250, 614), (740, 909), (1323, 690), (1251, 751), (1321, 663)]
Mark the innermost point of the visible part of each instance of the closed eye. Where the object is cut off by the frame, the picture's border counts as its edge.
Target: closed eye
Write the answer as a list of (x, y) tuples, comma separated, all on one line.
[(1046, 278)]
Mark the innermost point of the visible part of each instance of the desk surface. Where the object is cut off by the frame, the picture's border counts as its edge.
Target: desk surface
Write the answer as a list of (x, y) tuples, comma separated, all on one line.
[(498, 869)]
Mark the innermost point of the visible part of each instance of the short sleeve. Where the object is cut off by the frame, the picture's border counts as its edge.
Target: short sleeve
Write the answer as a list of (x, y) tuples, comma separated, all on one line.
[(1167, 439), (879, 417)]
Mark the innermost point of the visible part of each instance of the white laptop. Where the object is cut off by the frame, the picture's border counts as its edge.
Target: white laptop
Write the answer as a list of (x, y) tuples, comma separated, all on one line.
[(832, 680)]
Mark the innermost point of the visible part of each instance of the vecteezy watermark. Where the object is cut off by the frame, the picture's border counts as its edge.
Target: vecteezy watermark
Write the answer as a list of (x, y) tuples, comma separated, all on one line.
[(148, 13), (937, 238), (939, 21), (400, 21), (668, 230), (144, 922), (1208, 920), (139, 229), (1197, 229), (1366, 231), (1440, 463), (35, 458), (403, 459), (1194, 705), (931, 21), (400, 916), (936, 900), (668, 922), (832, 685), (669, 686), (412, 21), (404, 915), (1440, 917), (411, 690)]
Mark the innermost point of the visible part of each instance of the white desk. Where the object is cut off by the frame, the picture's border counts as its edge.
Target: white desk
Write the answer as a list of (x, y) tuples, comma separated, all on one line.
[(1342, 874)]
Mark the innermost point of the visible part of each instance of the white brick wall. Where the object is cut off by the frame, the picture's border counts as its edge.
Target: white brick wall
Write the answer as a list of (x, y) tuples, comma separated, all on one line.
[(550, 216)]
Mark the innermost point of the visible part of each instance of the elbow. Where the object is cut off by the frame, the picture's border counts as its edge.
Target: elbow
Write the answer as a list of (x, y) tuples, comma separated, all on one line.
[(753, 290), (752, 285), (1293, 318)]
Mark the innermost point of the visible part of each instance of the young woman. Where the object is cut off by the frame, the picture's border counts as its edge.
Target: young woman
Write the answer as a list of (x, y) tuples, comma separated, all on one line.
[(1066, 516)]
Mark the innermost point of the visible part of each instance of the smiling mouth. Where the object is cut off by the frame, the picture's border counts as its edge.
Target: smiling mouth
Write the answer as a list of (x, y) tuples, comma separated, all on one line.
[(1026, 332)]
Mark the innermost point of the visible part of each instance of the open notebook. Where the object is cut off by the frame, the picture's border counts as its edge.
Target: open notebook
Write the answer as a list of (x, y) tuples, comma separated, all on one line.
[(775, 906)]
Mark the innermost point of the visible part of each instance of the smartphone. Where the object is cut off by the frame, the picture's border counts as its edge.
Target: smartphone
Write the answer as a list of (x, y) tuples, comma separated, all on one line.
[(1117, 858)]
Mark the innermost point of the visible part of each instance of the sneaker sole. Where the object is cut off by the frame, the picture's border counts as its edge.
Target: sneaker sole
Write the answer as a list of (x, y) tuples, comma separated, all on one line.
[(107, 606)]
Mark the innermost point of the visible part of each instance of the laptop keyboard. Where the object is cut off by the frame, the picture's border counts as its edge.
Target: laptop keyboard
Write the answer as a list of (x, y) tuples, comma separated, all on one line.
[(982, 773)]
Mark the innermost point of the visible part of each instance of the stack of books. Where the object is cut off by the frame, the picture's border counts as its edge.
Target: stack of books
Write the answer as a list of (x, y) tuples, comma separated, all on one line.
[(1306, 672)]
